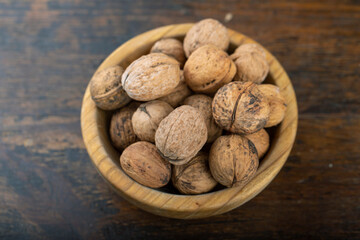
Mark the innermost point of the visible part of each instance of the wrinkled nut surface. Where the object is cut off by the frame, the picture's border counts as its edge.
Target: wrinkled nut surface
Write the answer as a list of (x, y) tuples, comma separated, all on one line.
[(251, 63), (208, 69), (261, 140), (106, 89), (147, 118), (121, 131), (171, 47), (151, 76), (142, 162), (248, 48), (178, 94), (203, 104), (276, 102), (207, 31), (181, 135), (194, 177), (233, 160), (240, 107)]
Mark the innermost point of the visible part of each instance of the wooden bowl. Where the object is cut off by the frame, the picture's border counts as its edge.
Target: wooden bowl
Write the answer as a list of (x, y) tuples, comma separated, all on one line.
[(95, 122)]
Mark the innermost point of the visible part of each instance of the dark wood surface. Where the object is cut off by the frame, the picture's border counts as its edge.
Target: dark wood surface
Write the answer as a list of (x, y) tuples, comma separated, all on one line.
[(48, 186)]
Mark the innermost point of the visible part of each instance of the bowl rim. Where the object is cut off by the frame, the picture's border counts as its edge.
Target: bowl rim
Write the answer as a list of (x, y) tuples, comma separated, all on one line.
[(185, 206)]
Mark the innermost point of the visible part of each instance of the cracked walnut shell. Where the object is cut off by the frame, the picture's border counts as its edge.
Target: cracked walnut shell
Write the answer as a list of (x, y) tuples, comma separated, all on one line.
[(207, 31), (151, 76), (240, 107), (233, 160), (181, 135), (106, 89), (142, 162), (208, 69), (194, 177)]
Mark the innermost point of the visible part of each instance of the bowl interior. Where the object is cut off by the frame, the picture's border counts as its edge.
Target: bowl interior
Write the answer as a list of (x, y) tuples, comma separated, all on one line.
[(95, 123)]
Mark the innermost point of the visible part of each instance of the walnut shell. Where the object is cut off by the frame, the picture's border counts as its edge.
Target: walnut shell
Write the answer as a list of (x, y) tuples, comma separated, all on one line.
[(179, 94), (121, 131), (240, 107), (261, 140), (171, 47), (233, 160), (208, 69), (276, 102), (151, 76), (248, 48), (181, 135), (106, 89), (251, 63), (207, 31), (203, 104), (194, 177), (142, 162), (147, 118)]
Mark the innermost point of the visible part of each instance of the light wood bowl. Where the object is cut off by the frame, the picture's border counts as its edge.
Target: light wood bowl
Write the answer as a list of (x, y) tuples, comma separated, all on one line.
[(94, 126)]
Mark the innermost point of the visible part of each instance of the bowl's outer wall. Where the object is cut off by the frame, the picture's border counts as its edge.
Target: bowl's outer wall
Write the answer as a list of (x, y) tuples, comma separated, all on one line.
[(106, 159)]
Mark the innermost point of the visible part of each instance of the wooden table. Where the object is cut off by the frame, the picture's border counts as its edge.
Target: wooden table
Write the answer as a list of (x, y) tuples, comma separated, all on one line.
[(48, 186)]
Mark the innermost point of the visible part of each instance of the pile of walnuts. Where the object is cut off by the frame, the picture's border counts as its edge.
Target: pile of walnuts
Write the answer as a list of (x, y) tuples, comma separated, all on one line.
[(189, 113)]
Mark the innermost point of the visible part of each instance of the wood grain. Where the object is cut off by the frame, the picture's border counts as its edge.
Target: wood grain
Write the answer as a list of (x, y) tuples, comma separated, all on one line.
[(50, 190)]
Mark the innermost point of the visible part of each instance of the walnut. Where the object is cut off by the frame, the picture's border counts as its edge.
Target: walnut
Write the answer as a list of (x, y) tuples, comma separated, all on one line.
[(179, 94), (121, 131), (233, 160), (240, 107), (106, 89), (208, 69), (181, 135), (251, 63), (151, 76), (142, 162), (261, 141), (147, 118), (203, 104), (276, 102), (194, 177), (171, 47), (207, 31)]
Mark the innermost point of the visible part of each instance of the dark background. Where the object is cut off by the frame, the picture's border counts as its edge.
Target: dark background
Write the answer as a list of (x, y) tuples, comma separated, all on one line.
[(49, 189)]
